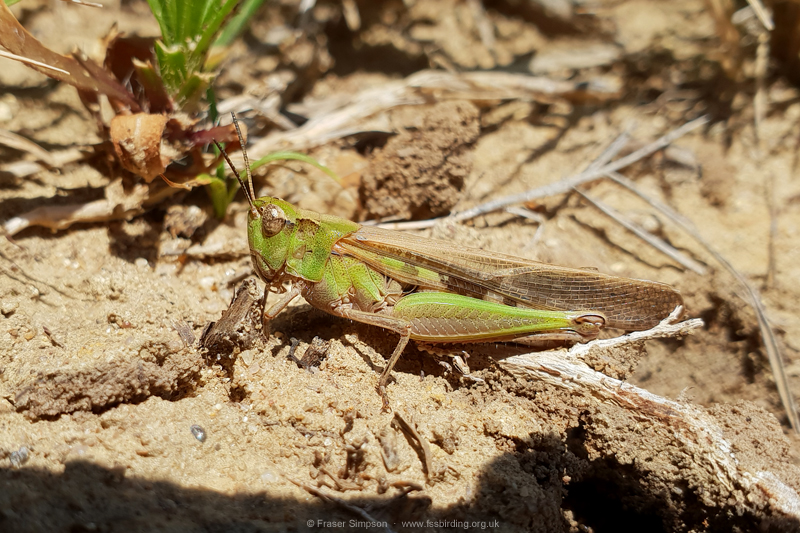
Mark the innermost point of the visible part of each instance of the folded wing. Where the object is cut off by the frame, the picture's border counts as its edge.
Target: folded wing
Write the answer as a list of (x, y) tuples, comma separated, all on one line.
[(629, 304)]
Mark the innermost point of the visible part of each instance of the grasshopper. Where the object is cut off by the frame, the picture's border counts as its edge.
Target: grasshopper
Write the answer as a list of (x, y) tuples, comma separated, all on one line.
[(431, 291)]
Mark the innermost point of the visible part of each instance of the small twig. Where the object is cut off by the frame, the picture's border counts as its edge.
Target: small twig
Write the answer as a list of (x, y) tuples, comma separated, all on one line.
[(292, 349), (53, 340), (767, 335), (358, 511), (306, 5), (562, 186), (406, 486), (760, 100), (82, 3), (565, 185), (773, 230), (526, 213), (410, 431), (652, 240), (485, 29), (669, 327), (762, 14), (410, 225), (691, 427), (351, 15), (611, 151), (27, 61), (342, 485)]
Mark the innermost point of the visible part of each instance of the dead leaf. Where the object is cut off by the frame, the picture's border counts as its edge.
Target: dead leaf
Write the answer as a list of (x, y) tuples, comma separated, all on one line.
[(117, 204), (137, 142)]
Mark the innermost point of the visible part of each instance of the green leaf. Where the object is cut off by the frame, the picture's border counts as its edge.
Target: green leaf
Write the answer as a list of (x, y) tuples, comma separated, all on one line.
[(211, 98), (218, 192), (162, 16), (282, 156), (237, 23), (172, 66), (209, 32), (192, 90), (188, 27)]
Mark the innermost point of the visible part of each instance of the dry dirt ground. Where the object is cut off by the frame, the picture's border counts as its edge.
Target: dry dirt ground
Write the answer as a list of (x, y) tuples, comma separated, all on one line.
[(112, 418)]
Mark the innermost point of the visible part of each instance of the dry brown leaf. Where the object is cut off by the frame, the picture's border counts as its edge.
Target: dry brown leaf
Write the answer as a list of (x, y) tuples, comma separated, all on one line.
[(18, 142), (137, 142), (117, 204), (17, 40)]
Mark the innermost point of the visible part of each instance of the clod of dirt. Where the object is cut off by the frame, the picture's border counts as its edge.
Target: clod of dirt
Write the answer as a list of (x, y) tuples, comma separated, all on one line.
[(618, 362), (634, 462), (419, 174), (160, 367)]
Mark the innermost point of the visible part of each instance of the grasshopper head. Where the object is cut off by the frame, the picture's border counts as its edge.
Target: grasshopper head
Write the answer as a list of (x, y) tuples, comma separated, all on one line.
[(270, 222), (270, 226), (285, 240)]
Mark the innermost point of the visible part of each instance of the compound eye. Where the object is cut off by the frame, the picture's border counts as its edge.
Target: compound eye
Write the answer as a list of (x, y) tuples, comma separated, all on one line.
[(273, 219)]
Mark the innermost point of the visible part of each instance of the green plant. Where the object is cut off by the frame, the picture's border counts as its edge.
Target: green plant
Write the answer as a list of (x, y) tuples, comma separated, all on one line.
[(222, 190), (157, 88), (188, 29)]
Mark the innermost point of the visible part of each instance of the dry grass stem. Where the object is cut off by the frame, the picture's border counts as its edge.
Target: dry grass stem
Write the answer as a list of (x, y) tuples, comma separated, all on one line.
[(358, 511), (18, 142), (565, 185), (116, 205), (20, 169), (341, 115), (31, 62), (752, 297), (649, 238), (763, 15)]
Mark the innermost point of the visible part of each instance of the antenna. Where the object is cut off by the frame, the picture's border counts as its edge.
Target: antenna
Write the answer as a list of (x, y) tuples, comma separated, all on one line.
[(251, 194), (235, 173), (244, 153)]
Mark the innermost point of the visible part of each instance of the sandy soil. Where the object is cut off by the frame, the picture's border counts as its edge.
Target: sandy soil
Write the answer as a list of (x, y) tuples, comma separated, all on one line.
[(112, 418)]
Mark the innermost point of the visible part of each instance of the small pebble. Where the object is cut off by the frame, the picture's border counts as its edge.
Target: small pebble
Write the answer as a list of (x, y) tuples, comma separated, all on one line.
[(208, 282), (5, 112), (141, 262), (8, 308), (30, 333), (198, 432), (79, 449), (19, 457)]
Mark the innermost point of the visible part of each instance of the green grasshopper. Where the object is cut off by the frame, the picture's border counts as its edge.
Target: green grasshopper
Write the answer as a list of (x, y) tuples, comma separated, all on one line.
[(431, 291)]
